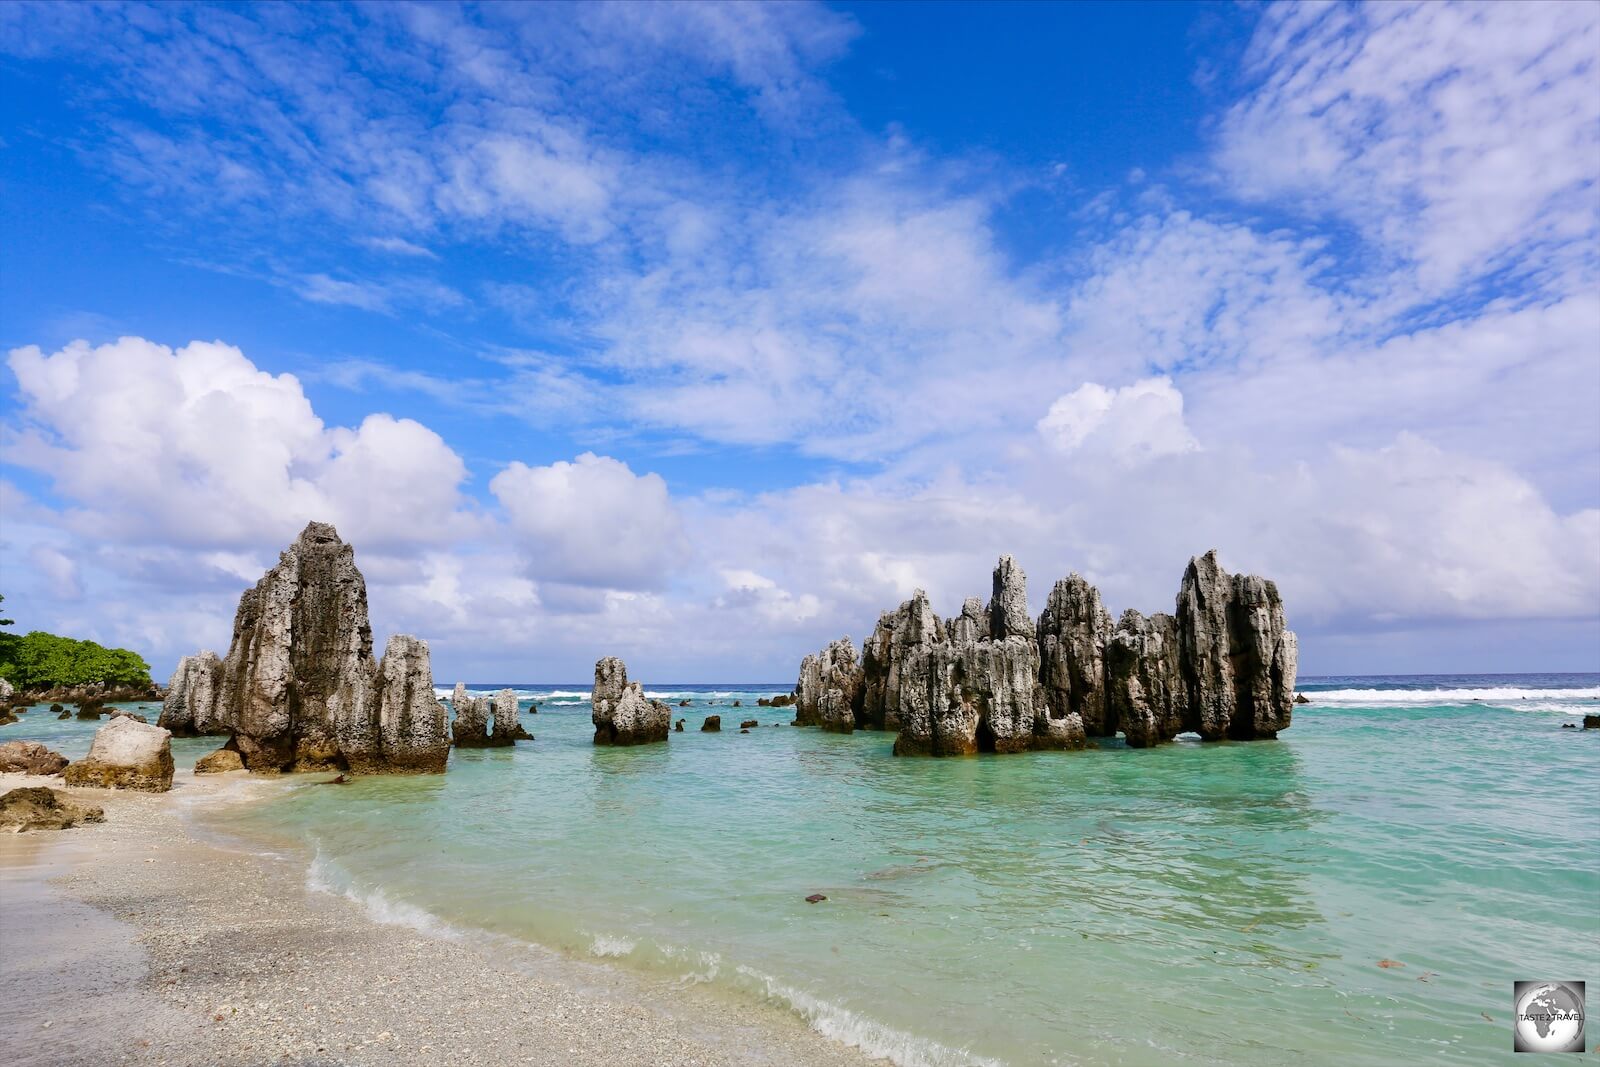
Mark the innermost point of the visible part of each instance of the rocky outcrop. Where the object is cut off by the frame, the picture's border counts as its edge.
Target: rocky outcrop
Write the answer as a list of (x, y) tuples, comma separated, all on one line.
[(30, 757), (91, 693), (191, 707), (911, 629), (1144, 690), (299, 688), (971, 694), (712, 725), (7, 691), (1236, 655), (219, 762), (830, 688), (1072, 633), (622, 714), (126, 755), (471, 726), (41, 808), (507, 720), (989, 679)]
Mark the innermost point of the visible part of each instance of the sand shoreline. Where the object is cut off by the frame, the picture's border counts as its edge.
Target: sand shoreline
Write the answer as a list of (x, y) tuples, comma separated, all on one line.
[(145, 941)]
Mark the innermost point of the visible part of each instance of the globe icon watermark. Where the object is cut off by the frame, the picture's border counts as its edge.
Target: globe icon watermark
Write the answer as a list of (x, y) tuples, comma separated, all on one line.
[(1548, 1016)]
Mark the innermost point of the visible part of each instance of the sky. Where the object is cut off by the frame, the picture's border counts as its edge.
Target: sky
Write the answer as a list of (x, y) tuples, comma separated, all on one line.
[(700, 334)]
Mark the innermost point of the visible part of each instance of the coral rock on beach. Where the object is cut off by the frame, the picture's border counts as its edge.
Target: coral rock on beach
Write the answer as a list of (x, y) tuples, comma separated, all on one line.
[(622, 714), (126, 755), (42, 808), (30, 757), (219, 762), (299, 689)]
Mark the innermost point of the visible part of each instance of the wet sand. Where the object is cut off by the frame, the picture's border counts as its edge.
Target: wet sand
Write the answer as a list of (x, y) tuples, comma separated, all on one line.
[(145, 940)]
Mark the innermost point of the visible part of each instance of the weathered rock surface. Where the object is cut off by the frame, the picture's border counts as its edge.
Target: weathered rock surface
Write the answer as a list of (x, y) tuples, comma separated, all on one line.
[(1236, 654), (7, 691), (30, 757), (712, 725), (507, 720), (910, 629), (830, 688), (126, 755), (42, 808), (471, 726), (299, 689), (622, 715), (1145, 695), (1073, 631), (1222, 666), (219, 762)]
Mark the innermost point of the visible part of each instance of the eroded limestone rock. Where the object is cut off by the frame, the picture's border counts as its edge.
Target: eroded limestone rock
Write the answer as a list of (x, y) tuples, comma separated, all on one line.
[(125, 755), (830, 688), (622, 714), (42, 808), (30, 757), (1072, 633)]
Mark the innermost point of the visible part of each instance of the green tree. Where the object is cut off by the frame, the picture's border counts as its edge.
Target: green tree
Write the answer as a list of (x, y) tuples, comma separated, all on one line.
[(40, 661)]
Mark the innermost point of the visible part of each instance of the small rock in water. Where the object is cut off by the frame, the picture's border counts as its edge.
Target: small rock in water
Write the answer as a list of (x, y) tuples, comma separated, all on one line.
[(677, 727), (57, 708), (735, 703), (1390, 963), (764, 702), (748, 723), (64, 715), (712, 725), (1301, 698), (683, 703), (1569, 726), (743, 731), (815, 898), (1591, 722)]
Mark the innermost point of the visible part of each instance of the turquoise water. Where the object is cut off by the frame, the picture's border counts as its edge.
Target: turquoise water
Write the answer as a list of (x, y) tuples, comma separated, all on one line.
[(1224, 903)]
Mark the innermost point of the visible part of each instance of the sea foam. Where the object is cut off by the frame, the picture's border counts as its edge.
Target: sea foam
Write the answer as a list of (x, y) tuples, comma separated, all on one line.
[(1390, 697)]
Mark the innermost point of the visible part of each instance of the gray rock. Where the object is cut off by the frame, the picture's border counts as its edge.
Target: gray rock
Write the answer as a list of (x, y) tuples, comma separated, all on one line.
[(192, 707), (1008, 606), (622, 715), (1072, 634), (7, 691), (299, 689), (830, 688), (971, 625), (1145, 696), (912, 628), (1236, 655), (471, 726), (507, 720), (412, 727)]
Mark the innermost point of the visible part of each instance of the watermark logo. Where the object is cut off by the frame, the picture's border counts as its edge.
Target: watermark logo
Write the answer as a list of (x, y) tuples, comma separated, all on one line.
[(1548, 1016)]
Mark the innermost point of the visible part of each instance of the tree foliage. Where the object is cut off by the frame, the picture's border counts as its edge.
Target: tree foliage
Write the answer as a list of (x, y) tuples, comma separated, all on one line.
[(40, 661)]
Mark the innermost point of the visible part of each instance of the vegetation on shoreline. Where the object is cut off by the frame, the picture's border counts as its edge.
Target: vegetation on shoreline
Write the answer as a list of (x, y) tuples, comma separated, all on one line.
[(40, 660)]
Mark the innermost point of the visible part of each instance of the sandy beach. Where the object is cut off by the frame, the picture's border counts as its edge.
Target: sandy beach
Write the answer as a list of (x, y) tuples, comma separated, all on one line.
[(147, 940)]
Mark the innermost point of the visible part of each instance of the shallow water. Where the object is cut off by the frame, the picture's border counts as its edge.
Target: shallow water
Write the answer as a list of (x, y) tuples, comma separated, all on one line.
[(1223, 903)]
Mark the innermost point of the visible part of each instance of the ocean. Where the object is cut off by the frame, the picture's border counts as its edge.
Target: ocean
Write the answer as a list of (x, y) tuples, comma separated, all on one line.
[(1364, 890)]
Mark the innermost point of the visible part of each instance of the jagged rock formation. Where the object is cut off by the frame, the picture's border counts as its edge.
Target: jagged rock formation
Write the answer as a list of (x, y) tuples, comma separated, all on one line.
[(507, 720), (471, 726), (299, 689), (830, 688), (125, 755), (1072, 632), (900, 634), (989, 679), (622, 714), (981, 693)]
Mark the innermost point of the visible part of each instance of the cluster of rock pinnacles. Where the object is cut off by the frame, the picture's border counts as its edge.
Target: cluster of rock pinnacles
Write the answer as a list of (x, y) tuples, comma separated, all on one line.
[(993, 679), (300, 690)]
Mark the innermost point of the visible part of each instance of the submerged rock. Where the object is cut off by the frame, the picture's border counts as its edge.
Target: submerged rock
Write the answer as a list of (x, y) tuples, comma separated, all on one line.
[(42, 808), (30, 757), (126, 755), (622, 715)]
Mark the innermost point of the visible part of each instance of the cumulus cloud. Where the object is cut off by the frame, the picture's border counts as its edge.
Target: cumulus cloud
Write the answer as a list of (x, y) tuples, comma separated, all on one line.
[(197, 446), (1136, 422), (592, 522)]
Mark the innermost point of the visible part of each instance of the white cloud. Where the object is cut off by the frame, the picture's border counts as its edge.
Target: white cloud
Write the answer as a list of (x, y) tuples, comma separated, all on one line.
[(592, 522), (1133, 423), (1460, 137), (398, 246), (196, 446)]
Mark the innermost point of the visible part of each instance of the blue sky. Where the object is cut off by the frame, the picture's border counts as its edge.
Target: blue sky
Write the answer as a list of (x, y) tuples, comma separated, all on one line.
[(701, 333)]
